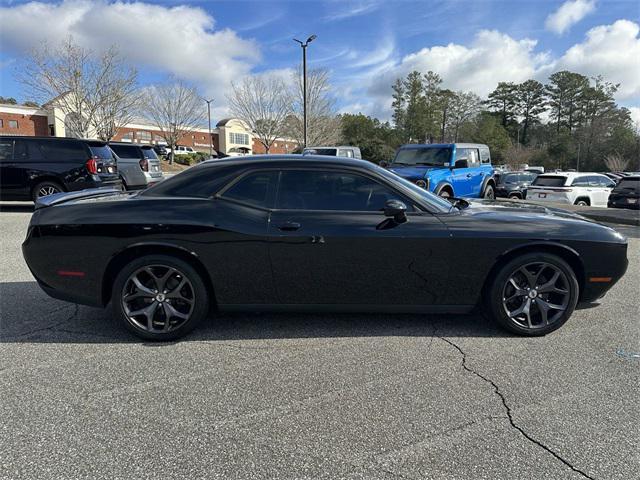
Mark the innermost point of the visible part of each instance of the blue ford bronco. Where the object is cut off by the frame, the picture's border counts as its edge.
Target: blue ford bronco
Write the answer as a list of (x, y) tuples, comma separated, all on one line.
[(447, 169)]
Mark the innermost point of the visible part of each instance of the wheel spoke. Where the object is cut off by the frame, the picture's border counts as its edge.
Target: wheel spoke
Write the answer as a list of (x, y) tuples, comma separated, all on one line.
[(519, 292), (176, 292), (169, 311), (523, 309), (531, 278), (543, 309)]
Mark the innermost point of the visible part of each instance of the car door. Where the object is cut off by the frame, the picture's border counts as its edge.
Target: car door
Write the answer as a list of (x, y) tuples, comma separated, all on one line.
[(601, 187), (461, 178), (9, 170), (330, 244)]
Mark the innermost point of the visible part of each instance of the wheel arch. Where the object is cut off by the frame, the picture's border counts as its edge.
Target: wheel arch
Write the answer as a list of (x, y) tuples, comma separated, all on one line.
[(568, 254), (488, 180), (119, 260), (442, 185), (45, 178)]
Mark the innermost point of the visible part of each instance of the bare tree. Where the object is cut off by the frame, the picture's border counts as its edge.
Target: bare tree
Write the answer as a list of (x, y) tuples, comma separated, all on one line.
[(89, 90), (323, 124), (616, 162), (175, 108), (464, 107), (261, 103), (118, 98)]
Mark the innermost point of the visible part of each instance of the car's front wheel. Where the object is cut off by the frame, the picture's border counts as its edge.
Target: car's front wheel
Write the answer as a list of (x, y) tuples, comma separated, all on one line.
[(533, 294), (159, 297)]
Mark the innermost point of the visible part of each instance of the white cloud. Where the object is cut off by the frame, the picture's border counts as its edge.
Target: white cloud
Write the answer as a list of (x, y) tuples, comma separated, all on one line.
[(352, 10), (612, 51), (179, 40), (635, 115), (569, 13)]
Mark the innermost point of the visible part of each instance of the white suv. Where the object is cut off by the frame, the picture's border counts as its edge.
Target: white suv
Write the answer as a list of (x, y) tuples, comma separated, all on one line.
[(182, 150), (576, 188)]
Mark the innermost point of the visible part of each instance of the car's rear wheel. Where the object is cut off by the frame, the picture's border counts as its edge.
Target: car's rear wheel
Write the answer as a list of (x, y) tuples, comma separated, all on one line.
[(489, 192), (444, 193), (533, 294), (159, 297), (45, 188), (514, 196), (582, 202)]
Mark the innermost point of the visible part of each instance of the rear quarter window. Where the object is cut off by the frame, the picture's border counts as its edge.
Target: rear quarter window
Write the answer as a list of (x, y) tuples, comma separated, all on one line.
[(149, 154), (550, 181), (63, 150), (6, 150), (627, 184), (100, 151)]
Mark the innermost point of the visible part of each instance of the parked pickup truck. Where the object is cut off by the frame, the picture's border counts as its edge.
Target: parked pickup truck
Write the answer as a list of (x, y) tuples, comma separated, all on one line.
[(448, 170)]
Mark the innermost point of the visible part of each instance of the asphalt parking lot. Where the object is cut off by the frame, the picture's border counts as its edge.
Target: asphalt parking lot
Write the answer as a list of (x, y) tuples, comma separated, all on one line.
[(314, 396)]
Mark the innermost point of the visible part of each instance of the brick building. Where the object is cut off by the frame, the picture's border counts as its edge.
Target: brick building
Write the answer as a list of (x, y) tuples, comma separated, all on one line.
[(230, 135)]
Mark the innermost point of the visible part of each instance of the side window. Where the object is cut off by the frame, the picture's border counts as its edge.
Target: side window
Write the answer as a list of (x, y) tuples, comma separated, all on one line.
[(6, 150), (254, 189), (63, 151), (580, 181), (462, 154), (324, 190), (345, 153), (484, 155), (603, 182)]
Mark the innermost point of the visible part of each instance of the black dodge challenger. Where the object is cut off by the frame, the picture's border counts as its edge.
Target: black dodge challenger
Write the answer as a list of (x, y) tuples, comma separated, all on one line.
[(316, 234)]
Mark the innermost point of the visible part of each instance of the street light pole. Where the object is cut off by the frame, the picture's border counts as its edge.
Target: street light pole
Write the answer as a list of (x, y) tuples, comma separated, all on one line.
[(209, 116), (304, 84)]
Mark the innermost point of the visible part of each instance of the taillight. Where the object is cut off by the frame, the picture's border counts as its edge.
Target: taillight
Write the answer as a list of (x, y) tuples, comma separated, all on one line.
[(144, 165), (92, 166)]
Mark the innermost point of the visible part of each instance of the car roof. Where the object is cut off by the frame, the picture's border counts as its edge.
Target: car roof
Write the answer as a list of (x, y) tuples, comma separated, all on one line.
[(570, 174), (337, 146), (294, 159), (409, 146)]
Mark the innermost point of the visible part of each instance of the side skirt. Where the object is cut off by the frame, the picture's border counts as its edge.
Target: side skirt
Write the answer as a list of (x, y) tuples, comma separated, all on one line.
[(346, 308)]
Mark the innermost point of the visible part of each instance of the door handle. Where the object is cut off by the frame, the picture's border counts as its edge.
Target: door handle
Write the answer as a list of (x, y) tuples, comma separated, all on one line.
[(289, 226), (468, 175)]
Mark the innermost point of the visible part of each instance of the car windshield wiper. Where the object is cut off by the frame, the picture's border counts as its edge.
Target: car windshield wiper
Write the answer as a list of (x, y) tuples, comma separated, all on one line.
[(399, 163)]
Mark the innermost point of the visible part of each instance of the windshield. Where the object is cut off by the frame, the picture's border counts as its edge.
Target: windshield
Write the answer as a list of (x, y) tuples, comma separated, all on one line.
[(431, 157), (436, 202), (550, 181)]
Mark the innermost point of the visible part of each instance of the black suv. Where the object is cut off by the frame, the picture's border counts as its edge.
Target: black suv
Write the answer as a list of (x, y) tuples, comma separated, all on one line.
[(626, 194), (32, 167), (514, 184)]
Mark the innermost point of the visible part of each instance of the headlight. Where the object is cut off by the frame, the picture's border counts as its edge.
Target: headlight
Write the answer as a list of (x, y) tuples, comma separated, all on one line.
[(421, 183)]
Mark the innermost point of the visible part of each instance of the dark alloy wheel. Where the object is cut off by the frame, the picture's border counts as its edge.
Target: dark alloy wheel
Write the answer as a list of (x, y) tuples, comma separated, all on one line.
[(489, 192), (534, 294), (160, 297), (44, 189)]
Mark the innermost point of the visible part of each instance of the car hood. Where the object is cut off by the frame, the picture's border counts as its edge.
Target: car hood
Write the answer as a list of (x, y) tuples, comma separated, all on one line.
[(479, 207), (413, 172)]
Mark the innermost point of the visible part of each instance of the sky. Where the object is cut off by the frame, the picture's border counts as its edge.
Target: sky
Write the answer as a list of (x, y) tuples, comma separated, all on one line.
[(364, 44)]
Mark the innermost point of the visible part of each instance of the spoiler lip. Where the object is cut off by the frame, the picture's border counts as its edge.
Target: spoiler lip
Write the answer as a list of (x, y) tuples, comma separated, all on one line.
[(62, 197)]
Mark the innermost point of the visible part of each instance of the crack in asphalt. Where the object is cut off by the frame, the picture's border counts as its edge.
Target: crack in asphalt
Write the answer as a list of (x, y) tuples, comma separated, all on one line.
[(509, 411), (5, 338)]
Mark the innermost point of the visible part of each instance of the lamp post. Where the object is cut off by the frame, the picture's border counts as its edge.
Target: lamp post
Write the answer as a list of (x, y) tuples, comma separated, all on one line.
[(304, 84), (209, 116)]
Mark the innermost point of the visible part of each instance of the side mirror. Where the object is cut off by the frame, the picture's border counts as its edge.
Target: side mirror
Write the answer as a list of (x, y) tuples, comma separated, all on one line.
[(462, 163), (383, 163), (396, 209)]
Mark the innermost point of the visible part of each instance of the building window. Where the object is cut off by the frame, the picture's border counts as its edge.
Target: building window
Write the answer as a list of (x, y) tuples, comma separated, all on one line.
[(127, 137), (239, 138), (143, 136), (13, 123)]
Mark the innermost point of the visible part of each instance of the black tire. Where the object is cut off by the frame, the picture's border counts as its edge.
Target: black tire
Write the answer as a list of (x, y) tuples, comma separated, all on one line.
[(514, 196), (585, 202), (192, 299), (499, 307), (124, 184), (445, 193), (489, 192), (41, 189)]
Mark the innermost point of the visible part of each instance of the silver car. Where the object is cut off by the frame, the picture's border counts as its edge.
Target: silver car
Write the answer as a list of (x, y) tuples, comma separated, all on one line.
[(138, 165)]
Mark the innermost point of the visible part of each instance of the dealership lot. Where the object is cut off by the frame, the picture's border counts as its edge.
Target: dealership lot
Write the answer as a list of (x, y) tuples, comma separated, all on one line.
[(314, 396)]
